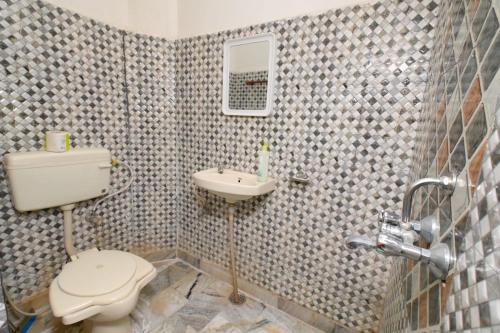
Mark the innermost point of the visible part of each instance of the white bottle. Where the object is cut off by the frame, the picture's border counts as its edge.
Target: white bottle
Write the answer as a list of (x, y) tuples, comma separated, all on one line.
[(262, 170)]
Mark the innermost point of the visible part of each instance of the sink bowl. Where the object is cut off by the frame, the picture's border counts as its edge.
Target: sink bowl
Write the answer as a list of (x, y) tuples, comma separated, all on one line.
[(233, 185)]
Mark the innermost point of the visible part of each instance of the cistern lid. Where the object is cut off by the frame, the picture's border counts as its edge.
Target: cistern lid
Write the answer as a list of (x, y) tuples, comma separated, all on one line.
[(97, 273)]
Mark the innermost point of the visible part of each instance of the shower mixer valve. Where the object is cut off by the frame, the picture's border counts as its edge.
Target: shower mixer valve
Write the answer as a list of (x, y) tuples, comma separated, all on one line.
[(397, 234), (427, 228), (389, 217), (408, 236)]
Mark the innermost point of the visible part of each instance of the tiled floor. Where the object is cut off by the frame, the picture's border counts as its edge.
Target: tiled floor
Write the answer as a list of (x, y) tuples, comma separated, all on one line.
[(183, 299)]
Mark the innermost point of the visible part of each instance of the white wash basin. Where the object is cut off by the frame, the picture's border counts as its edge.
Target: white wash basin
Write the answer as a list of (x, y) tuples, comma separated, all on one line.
[(233, 185)]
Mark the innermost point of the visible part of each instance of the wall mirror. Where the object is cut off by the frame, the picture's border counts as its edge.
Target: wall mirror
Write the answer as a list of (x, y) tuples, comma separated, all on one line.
[(248, 76)]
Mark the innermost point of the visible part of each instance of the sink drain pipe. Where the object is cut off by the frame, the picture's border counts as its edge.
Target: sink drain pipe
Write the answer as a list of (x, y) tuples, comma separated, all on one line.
[(235, 297)]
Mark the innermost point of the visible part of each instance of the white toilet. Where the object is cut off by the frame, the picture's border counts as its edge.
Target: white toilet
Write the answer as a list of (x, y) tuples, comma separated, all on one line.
[(101, 287)]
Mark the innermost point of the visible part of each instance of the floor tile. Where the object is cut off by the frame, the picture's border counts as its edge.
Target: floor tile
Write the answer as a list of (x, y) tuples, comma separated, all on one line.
[(182, 299)]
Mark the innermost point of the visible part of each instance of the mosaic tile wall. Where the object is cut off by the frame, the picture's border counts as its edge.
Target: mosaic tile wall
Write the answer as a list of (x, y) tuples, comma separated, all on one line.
[(461, 102), (248, 91), (350, 84), (349, 88), (151, 91), (60, 71)]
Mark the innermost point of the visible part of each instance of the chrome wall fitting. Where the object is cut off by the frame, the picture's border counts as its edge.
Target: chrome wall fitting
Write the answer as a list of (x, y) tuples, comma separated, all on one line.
[(396, 240), (447, 183), (390, 223), (438, 257), (385, 216), (398, 233), (300, 177), (441, 260), (408, 236), (220, 168), (355, 241), (428, 228)]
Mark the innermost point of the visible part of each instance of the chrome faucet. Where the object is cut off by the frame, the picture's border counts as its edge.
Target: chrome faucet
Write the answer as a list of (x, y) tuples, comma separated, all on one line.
[(438, 257), (407, 235), (397, 234), (390, 223), (220, 168), (446, 183), (355, 241), (220, 157)]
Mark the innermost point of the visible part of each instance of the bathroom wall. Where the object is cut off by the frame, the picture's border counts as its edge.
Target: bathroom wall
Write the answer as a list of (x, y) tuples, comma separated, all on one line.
[(150, 79), (156, 18), (61, 71), (203, 17), (349, 89), (153, 17), (459, 134)]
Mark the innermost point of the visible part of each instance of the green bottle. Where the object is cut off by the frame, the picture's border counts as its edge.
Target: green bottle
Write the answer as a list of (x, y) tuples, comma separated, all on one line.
[(262, 170)]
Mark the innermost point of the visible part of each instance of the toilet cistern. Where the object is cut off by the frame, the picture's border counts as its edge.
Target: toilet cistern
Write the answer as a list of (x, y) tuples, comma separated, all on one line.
[(40, 180)]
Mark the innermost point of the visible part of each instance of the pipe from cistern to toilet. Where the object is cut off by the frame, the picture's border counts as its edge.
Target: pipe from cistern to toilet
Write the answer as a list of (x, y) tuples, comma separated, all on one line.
[(68, 229)]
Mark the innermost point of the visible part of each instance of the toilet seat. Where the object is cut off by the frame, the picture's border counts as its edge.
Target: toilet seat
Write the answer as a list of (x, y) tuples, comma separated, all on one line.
[(75, 303), (98, 273)]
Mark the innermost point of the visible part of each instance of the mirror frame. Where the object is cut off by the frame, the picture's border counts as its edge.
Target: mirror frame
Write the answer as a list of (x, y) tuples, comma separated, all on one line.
[(268, 37)]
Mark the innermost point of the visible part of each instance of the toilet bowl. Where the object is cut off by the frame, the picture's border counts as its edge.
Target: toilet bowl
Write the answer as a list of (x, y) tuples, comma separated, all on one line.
[(101, 287)]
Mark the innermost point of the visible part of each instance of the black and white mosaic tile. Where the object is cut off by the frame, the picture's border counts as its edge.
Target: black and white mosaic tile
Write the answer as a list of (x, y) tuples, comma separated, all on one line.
[(475, 298), (349, 86), (248, 90), (458, 133), (60, 71), (53, 79), (150, 81)]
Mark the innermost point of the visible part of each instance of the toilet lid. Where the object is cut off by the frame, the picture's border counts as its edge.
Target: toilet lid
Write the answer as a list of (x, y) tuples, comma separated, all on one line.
[(97, 273)]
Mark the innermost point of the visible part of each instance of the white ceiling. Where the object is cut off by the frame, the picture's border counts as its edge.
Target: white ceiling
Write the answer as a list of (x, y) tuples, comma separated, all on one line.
[(186, 18)]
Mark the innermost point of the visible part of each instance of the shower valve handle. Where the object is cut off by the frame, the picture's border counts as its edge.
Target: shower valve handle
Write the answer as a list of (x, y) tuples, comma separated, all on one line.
[(389, 217)]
